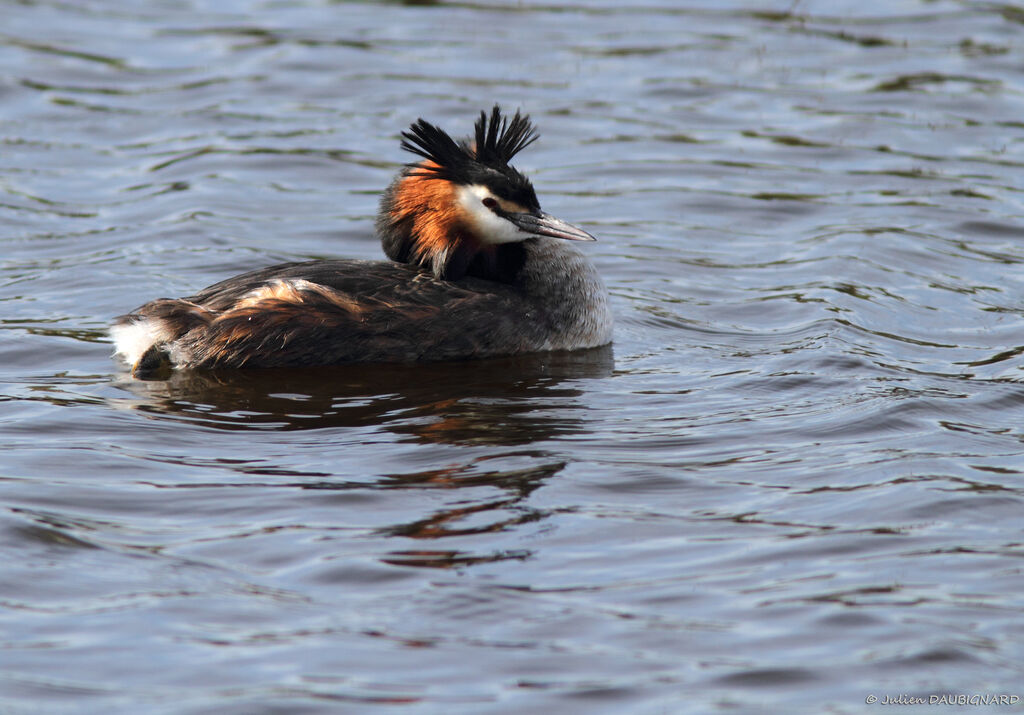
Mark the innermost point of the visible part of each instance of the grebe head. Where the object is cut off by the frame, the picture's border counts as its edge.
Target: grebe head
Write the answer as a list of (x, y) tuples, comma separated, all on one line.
[(463, 209)]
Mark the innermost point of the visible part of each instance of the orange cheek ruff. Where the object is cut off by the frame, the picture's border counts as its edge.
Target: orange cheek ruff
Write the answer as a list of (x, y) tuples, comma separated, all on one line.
[(439, 236), (437, 225)]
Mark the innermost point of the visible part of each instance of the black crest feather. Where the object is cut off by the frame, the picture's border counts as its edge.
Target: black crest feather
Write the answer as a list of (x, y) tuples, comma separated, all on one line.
[(433, 144), (500, 140), (497, 140)]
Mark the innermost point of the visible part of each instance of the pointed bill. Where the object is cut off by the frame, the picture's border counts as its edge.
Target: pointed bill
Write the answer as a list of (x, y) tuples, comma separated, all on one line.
[(542, 224)]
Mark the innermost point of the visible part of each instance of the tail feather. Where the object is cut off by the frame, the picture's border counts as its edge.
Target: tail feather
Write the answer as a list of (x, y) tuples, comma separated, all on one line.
[(149, 331)]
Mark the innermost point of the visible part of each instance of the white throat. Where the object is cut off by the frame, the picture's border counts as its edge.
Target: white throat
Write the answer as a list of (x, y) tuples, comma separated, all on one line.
[(487, 225)]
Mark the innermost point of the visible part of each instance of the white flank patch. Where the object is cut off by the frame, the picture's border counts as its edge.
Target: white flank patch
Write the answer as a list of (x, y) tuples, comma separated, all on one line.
[(133, 339)]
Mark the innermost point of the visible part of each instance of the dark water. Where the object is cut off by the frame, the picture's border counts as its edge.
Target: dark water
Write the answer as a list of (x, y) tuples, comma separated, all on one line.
[(794, 482)]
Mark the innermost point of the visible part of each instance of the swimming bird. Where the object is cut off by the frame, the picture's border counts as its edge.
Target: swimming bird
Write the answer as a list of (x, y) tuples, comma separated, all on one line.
[(476, 270)]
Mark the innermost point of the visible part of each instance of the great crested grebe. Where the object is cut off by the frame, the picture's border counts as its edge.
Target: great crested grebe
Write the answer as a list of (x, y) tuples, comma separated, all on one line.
[(477, 270)]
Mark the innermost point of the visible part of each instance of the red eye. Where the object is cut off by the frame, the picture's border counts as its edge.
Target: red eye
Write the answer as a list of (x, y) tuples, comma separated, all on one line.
[(490, 203)]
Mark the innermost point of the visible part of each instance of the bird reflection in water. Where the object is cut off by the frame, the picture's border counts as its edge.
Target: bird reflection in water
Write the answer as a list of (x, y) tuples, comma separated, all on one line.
[(507, 402)]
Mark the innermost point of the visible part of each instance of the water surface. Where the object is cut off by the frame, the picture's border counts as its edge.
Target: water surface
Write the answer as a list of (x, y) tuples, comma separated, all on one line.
[(793, 482)]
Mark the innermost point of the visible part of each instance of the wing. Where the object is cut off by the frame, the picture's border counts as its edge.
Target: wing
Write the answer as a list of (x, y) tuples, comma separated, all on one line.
[(334, 312), (348, 275)]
